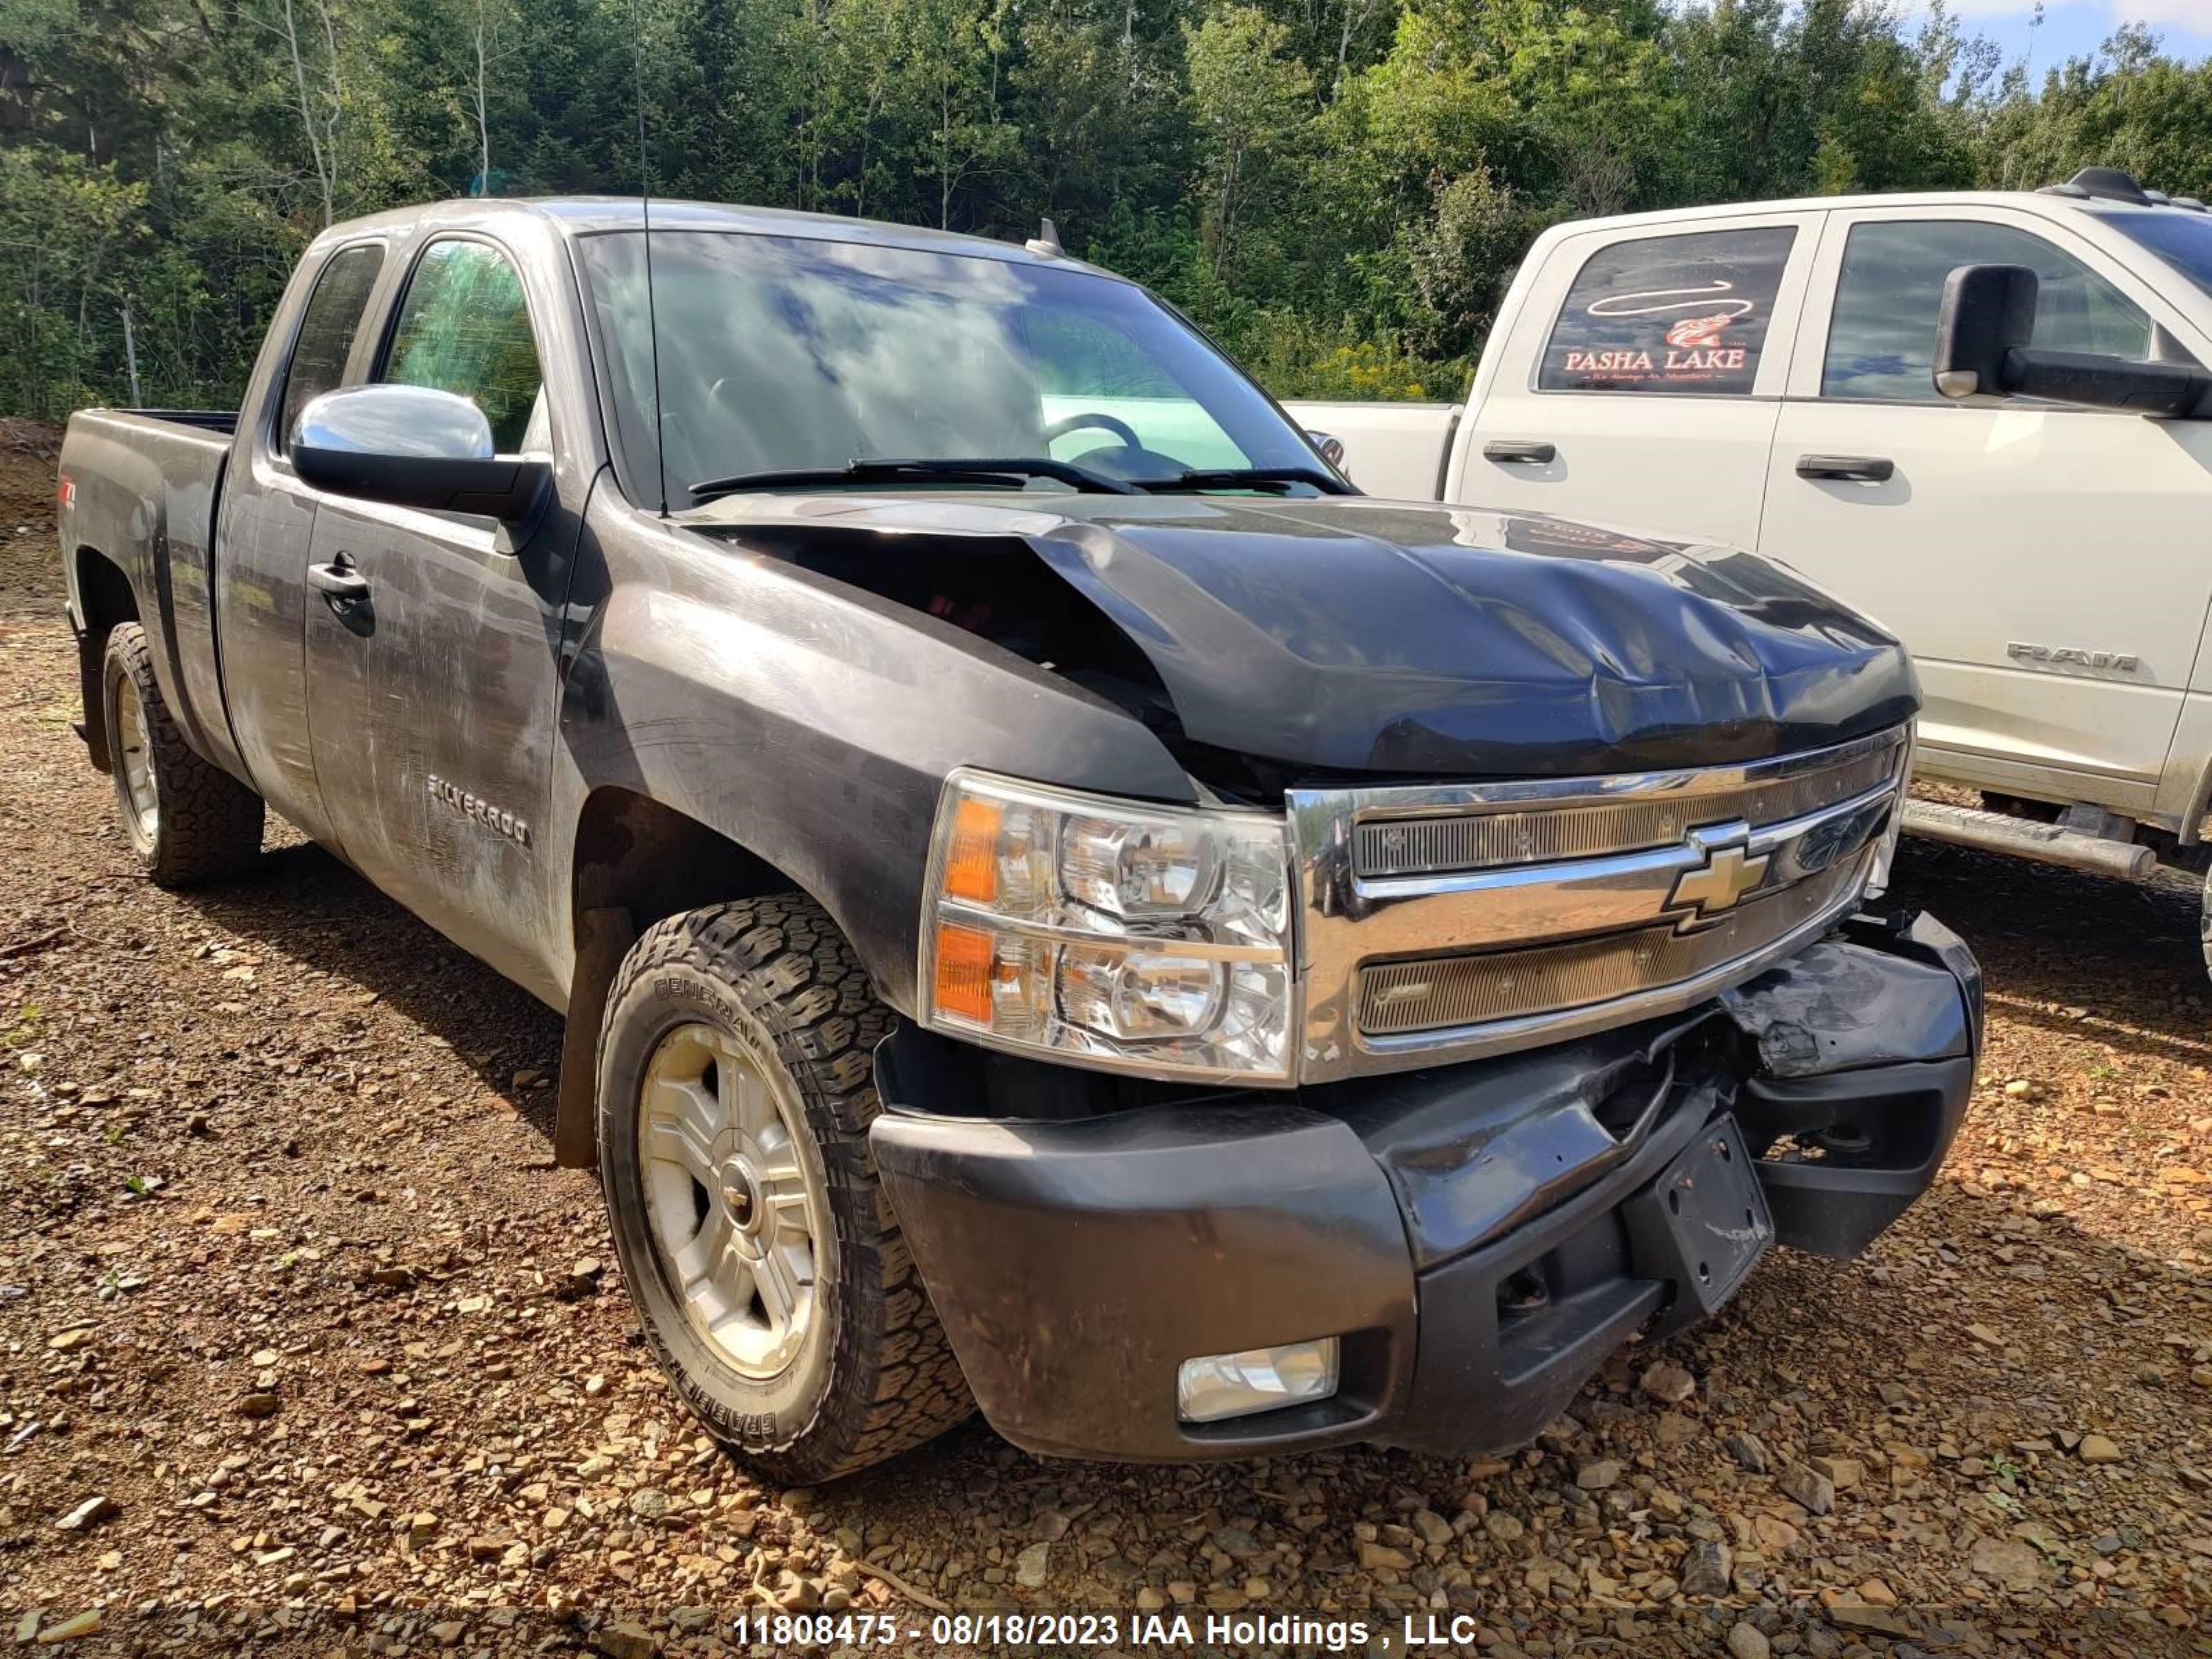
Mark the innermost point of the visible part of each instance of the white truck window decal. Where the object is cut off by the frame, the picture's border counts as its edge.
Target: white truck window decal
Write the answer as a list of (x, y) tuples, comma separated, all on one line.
[(1681, 313)]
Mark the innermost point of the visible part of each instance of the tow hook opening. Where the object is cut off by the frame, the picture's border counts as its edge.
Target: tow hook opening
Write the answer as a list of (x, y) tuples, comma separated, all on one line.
[(1522, 1292), (1844, 1142)]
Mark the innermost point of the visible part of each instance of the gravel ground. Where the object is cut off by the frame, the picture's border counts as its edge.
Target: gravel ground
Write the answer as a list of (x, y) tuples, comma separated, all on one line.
[(305, 1344)]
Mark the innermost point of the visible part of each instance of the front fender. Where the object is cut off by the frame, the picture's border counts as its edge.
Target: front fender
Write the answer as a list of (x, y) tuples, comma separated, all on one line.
[(810, 722)]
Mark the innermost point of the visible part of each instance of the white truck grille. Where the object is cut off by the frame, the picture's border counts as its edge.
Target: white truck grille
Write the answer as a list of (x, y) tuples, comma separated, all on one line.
[(1439, 924)]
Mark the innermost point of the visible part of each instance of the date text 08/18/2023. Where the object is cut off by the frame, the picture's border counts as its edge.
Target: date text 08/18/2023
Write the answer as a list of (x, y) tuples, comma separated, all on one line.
[(1256, 1631)]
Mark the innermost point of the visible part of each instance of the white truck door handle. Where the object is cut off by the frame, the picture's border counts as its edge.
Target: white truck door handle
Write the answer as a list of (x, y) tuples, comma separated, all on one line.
[(1525, 452), (1857, 469)]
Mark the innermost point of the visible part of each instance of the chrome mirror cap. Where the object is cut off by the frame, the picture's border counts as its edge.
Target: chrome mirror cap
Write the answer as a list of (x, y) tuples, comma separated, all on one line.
[(408, 445), (413, 421)]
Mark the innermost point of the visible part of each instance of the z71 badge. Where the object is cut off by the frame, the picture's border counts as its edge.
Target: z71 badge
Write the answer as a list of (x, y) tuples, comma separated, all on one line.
[(472, 807)]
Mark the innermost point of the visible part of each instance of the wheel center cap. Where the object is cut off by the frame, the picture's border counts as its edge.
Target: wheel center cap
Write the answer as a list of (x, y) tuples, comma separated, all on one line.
[(741, 1197)]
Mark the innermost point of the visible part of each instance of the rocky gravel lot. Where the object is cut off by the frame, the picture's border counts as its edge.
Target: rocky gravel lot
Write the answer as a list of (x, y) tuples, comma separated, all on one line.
[(306, 1346)]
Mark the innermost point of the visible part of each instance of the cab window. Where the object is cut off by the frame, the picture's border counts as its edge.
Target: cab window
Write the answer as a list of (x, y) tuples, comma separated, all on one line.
[(464, 328), (1685, 315), (1881, 337), (327, 331)]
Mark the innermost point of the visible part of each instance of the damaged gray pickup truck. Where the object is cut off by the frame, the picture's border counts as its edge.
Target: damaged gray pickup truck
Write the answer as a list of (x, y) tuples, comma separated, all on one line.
[(1061, 904)]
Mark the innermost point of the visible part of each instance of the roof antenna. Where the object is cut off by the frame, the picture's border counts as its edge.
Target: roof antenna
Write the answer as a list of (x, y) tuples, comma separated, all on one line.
[(1046, 241), (645, 215)]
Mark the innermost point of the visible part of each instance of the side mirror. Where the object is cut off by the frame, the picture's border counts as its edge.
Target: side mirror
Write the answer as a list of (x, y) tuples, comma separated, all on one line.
[(1330, 448), (1983, 349), (409, 445), (1989, 310)]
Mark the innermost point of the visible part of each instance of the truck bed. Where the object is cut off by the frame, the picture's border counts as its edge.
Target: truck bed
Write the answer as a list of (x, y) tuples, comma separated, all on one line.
[(222, 420), (1396, 451)]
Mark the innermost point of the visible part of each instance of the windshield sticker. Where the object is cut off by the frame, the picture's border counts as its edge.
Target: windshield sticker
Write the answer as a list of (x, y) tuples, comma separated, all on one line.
[(1668, 313)]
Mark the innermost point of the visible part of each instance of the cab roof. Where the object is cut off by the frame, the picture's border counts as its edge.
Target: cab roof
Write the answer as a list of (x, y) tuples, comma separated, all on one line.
[(582, 215), (2048, 202)]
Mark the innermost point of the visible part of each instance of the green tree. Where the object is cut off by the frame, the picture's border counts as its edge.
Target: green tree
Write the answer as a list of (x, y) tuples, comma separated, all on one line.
[(1340, 189), (1252, 106), (62, 223)]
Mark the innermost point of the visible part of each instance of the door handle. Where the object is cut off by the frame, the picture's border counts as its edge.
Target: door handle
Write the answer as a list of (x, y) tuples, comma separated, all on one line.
[(1857, 469), (1523, 451), (338, 581)]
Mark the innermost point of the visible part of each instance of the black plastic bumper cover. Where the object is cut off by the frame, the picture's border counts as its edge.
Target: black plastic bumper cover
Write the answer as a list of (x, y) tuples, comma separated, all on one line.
[(1480, 1236)]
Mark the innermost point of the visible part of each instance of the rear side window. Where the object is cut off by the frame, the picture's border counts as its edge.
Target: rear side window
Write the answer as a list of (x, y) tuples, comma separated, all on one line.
[(326, 331), (1681, 314), (1881, 340), (464, 328)]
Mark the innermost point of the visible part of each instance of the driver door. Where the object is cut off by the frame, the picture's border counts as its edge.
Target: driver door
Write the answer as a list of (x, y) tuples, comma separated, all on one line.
[(2044, 564), (433, 701)]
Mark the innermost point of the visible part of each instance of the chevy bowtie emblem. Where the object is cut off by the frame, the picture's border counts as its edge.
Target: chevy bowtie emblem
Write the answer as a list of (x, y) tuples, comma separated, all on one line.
[(1729, 873)]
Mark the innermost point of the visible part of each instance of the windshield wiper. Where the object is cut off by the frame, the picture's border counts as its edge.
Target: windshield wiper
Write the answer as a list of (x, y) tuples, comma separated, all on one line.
[(991, 471), (1247, 478)]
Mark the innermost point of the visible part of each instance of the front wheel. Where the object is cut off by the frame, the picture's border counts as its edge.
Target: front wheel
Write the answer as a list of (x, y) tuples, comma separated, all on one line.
[(734, 1097), (186, 818)]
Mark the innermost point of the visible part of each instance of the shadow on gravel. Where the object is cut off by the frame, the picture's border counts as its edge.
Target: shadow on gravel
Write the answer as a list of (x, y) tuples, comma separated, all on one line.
[(306, 907), (2052, 942)]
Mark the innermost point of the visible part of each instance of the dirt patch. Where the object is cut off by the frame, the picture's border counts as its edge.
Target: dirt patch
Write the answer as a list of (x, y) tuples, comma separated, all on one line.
[(308, 1346), (30, 570)]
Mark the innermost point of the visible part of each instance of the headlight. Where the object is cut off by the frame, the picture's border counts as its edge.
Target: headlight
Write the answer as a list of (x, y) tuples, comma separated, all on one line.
[(1877, 882), (1145, 938)]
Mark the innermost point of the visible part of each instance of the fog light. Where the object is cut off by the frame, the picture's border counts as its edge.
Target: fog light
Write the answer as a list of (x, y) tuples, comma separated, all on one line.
[(1216, 1386)]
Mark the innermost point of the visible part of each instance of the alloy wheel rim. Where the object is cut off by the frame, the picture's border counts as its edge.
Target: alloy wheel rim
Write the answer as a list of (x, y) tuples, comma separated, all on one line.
[(730, 1206), (141, 795)]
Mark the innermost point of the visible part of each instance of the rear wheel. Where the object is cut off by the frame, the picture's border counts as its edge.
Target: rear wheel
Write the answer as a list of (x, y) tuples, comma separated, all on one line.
[(735, 1092), (187, 819)]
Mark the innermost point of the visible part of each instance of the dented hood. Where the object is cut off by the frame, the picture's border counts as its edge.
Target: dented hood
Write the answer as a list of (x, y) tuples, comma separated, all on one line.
[(1351, 635), (1367, 636)]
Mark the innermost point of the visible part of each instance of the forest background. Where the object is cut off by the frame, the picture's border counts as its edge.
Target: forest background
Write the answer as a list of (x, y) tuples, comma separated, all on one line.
[(1339, 190)]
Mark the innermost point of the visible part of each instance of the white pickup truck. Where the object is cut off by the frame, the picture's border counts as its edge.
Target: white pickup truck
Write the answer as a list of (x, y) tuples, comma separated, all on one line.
[(1964, 454)]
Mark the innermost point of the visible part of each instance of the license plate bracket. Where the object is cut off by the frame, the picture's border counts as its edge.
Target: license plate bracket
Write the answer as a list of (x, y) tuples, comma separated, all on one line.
[(1702, 1222)]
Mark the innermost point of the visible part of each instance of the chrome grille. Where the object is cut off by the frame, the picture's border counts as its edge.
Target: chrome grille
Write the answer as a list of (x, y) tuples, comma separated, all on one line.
[(1538, 834), (1443, 923), (1400, 997)]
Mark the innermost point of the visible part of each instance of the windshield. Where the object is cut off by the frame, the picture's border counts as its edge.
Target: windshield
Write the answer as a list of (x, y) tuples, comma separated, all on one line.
[(2182, 238), (782, 354)]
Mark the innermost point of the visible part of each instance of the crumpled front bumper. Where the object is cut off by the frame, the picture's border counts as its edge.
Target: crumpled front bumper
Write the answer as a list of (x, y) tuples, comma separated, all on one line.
[(1481, 1236)]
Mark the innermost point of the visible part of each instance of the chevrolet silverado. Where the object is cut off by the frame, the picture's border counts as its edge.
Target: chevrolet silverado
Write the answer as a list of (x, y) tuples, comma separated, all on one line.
[(1060, 904)]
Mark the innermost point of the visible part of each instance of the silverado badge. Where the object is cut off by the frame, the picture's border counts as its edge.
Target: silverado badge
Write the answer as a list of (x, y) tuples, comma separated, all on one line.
[(453, 796)]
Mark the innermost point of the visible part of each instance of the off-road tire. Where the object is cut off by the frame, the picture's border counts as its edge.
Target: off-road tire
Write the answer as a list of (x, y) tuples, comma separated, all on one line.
[(876, 1376), (209, 826)]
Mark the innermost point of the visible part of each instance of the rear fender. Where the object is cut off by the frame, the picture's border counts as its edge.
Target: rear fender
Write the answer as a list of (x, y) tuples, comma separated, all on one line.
[(144, 499)]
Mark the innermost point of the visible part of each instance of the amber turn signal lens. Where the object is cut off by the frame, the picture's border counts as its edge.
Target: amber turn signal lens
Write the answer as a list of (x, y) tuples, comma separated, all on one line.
[(964, 972), (971, 864)]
